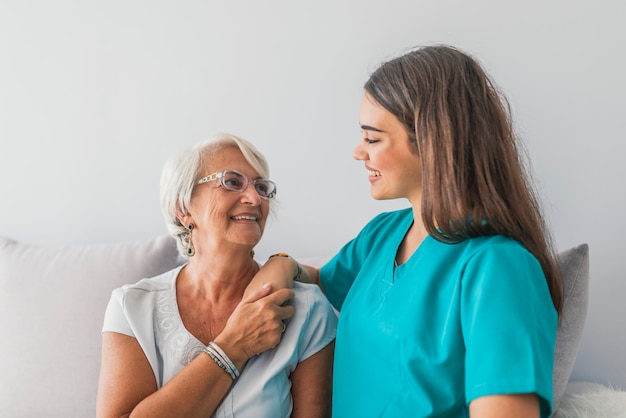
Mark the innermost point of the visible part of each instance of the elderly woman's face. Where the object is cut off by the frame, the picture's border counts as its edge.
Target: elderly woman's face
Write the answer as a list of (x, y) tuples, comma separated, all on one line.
[(223, 217)]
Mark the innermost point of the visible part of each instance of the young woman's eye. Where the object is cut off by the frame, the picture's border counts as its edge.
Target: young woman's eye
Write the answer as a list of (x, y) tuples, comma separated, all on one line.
[(371, 141)]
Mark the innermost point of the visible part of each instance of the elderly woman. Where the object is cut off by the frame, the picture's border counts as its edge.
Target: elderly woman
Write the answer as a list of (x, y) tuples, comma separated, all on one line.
[(210, 338)]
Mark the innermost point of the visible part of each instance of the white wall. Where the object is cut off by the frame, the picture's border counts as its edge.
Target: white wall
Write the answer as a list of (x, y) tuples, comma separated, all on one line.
[(95, 95)]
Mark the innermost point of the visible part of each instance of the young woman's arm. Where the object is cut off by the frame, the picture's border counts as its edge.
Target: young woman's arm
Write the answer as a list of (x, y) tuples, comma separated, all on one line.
[(280, 271), (311, 275), (510, 406)]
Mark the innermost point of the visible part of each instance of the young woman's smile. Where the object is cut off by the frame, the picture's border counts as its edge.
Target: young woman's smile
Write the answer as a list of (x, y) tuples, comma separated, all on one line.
[(391, 161)]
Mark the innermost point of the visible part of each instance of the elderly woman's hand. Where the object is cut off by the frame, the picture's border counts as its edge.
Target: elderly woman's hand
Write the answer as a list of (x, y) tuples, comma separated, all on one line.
[(256, 324)]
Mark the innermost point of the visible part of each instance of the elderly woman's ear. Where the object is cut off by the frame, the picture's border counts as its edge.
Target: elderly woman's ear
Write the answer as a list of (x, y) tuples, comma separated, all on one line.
[(185, 220)]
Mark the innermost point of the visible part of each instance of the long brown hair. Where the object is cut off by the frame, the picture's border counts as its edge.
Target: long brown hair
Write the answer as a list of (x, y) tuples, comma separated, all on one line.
[(475, 182)]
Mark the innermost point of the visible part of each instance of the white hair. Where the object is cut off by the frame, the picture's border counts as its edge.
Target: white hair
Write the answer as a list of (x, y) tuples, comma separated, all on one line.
[(182, 171)]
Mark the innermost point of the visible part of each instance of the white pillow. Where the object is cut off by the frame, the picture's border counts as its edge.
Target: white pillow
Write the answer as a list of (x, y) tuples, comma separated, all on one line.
[(52, 302), (592, 400)]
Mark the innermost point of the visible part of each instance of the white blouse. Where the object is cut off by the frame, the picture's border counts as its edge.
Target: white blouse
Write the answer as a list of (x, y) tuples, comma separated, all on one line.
[(148, 311)]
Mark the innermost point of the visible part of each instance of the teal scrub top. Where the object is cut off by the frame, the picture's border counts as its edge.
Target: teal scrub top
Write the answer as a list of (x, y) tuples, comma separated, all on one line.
[(454, 323)]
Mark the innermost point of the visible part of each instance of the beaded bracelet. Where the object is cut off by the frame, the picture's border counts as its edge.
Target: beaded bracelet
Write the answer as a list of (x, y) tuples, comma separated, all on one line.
[(299, 273), (221, 359)]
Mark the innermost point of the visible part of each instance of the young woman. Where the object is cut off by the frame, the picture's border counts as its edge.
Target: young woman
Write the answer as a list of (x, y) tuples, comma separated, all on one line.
[(448, 308)]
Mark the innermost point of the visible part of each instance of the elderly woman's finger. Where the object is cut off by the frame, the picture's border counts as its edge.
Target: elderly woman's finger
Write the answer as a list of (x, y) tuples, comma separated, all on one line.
[(257, 294), (281, 297)]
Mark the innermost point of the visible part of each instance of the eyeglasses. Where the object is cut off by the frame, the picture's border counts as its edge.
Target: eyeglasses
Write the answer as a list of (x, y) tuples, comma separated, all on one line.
[(237, 182)]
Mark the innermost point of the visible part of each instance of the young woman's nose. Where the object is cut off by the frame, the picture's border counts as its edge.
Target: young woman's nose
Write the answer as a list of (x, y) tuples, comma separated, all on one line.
[(359, 153)]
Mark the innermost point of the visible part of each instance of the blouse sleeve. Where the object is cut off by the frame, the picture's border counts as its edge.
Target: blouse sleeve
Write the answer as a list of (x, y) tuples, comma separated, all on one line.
[(320, 325), (115, 319)]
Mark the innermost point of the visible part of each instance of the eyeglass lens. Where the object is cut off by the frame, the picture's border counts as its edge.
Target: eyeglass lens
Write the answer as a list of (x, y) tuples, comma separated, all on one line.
[(233, 180)]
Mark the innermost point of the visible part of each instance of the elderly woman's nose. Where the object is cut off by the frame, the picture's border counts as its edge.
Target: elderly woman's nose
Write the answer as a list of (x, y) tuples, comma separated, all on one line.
[(249, 195)]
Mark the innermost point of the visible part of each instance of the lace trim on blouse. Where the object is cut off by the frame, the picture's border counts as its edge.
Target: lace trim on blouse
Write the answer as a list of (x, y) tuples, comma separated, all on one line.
[(176, 343)]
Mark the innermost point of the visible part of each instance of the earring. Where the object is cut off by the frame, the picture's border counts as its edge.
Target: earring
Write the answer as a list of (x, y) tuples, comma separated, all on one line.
[(191, 251)]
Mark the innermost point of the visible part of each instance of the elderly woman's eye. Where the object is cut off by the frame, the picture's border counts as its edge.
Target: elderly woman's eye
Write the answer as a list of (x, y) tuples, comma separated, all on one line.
[(234, 182), (262, 189)]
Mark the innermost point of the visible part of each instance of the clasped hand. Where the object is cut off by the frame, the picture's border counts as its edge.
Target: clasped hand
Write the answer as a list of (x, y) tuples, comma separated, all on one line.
[(257, 324)]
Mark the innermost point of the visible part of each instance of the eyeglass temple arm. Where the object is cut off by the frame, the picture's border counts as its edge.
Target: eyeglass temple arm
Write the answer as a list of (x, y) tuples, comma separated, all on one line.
[(208, 178)]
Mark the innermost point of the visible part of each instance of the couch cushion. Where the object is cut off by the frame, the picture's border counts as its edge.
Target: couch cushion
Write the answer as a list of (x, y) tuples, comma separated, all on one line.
[(52, 303), (574, 263)]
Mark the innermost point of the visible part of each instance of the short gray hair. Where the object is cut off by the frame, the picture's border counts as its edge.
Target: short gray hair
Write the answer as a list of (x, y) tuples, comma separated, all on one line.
[(182, 171)]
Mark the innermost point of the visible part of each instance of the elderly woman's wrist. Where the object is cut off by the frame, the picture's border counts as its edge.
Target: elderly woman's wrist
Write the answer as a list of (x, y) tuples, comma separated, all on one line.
[(215, 352), (237, 355)]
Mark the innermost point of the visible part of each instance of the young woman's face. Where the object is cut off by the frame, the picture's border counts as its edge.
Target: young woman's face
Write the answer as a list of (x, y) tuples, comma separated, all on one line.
[(394, 169), (223, 217)]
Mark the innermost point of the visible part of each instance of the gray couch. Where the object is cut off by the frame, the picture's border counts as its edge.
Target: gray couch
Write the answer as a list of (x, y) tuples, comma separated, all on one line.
[(52, 301)]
